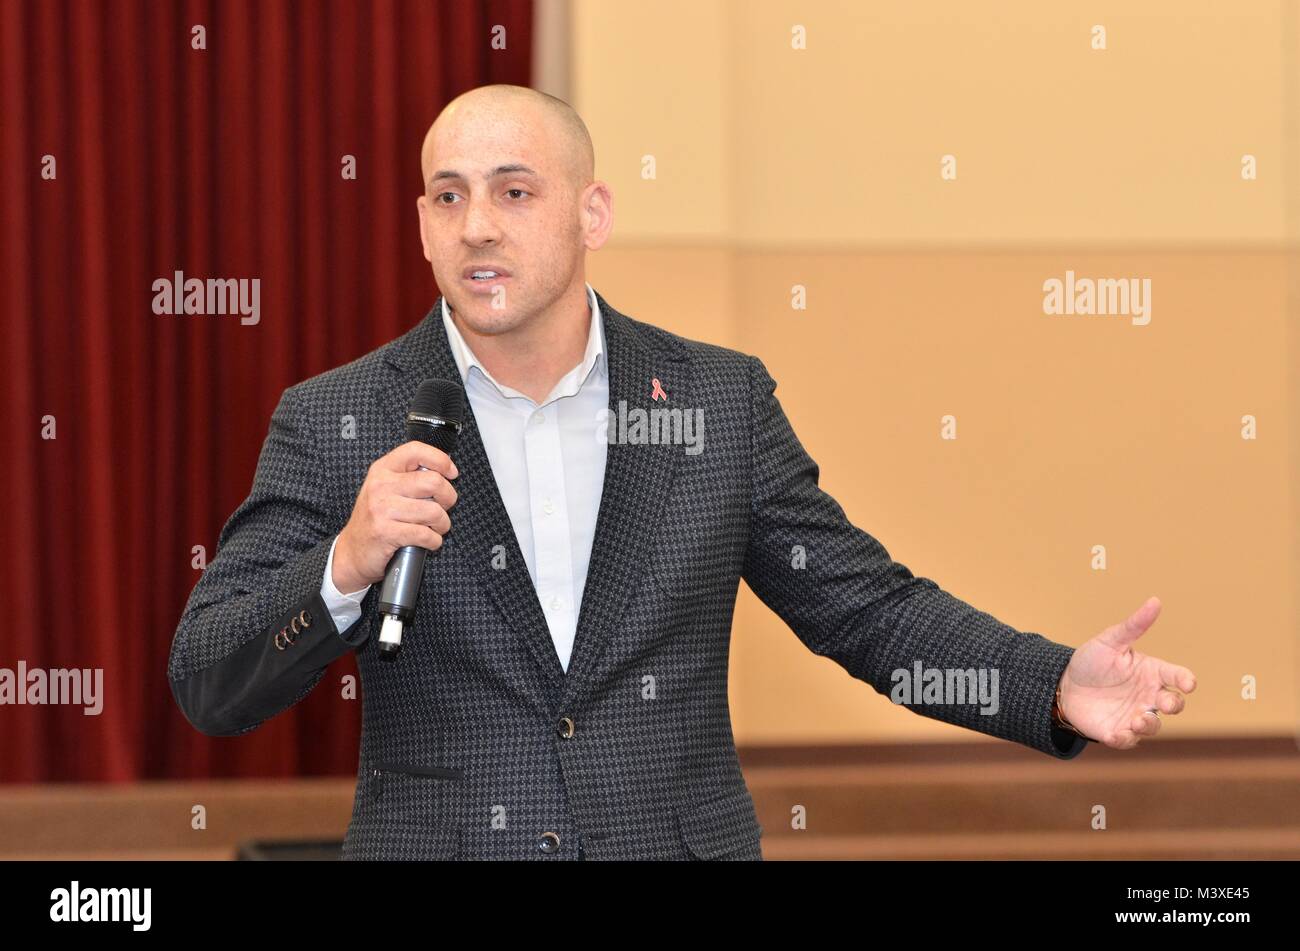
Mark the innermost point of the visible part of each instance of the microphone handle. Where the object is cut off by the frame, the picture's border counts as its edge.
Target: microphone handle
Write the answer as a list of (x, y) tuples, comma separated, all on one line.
[(400, 592), (402, 580)]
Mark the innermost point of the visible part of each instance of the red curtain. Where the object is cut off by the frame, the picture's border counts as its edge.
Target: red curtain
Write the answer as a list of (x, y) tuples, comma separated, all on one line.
[(224, 162)]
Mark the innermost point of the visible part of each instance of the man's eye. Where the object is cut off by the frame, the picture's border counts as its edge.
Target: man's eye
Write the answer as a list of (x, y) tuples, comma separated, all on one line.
[(444, 195), (511, 191)]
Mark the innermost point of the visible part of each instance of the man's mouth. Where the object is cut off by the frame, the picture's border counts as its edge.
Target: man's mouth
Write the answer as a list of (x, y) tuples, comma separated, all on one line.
[(484, 275)]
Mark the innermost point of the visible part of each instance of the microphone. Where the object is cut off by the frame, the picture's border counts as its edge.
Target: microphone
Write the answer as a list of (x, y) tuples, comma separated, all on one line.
[(434, 418)]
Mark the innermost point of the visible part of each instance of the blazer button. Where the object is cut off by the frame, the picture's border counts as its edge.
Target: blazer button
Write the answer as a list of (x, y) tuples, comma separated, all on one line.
[(549, 842), (565, 728), (304, 618)]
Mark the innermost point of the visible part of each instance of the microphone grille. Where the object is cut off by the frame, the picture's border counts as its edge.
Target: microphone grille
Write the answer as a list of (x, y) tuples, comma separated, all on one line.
[(442, 398)]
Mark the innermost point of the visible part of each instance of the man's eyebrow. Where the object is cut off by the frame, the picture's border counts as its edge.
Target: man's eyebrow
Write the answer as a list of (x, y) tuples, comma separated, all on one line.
[(499, 170)]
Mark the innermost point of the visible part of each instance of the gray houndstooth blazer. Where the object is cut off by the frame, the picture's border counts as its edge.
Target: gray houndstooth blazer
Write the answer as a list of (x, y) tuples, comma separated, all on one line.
[(475, 742)]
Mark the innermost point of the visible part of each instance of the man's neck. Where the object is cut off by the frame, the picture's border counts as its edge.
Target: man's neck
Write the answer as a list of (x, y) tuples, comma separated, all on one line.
[(533, 358)]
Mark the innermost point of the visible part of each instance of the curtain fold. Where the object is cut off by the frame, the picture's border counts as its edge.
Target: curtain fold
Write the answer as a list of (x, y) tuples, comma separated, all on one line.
[(225, 163)]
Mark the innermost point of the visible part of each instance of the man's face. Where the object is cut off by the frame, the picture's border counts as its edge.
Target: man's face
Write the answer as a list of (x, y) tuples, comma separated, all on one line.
[(512, 205)]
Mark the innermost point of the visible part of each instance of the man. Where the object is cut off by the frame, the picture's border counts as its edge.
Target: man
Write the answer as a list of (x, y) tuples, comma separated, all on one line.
[(562, 692)]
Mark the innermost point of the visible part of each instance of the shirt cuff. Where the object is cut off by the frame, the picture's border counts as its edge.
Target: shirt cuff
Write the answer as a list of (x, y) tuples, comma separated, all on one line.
[(345, 609)]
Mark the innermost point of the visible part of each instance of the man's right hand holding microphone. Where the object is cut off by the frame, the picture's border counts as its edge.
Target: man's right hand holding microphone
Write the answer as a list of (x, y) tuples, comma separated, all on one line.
[(403, 501)]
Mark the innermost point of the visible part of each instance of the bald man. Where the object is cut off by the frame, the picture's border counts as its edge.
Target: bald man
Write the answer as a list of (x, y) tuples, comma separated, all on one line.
[(562, 690)]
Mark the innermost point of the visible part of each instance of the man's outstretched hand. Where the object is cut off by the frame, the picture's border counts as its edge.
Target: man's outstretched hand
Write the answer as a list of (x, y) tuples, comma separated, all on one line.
[(1108, 687)]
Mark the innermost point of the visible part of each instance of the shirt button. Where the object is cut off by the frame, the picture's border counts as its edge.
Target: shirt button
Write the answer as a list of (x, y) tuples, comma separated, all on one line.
[(548, 507), (538, 418), (556, 604)]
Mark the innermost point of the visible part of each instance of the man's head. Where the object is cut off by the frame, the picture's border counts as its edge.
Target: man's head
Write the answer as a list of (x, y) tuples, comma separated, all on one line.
[(509, 182)]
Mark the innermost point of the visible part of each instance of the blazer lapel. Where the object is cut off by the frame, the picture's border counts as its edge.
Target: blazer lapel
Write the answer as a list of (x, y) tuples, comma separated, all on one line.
[(638, 478)]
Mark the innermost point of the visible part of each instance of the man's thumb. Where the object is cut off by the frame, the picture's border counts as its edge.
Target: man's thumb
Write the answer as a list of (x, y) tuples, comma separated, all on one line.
[(1129, 630)]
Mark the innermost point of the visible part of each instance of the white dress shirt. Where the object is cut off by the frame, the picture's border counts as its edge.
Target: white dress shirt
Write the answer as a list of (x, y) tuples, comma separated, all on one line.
[(549, 465)]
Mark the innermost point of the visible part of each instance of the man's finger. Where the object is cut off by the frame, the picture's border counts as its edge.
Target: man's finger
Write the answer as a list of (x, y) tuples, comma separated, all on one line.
[(412, 455), (422, 484), (1170, 702), (1176, 677), (1145, 723), (418, 512)]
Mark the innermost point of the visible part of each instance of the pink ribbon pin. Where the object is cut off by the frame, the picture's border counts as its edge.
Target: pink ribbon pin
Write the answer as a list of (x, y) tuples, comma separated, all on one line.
[(658, 393)]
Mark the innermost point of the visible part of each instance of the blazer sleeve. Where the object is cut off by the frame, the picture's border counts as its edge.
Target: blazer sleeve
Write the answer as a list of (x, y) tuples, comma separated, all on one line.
[(852, 603), (231, 665)]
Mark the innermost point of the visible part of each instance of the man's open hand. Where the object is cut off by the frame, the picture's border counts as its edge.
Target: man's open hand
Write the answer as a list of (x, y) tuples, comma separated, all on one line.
[(1108, 687)]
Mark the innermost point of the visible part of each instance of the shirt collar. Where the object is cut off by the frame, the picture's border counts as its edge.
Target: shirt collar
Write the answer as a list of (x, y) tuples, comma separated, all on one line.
[(568, 385)]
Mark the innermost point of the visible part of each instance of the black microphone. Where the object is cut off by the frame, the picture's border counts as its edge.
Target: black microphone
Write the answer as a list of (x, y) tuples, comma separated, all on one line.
[(434, 418)]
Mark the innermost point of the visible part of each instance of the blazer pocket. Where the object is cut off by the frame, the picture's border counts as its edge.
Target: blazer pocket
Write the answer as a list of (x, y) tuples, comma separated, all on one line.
[(429, 797), (723, 827)]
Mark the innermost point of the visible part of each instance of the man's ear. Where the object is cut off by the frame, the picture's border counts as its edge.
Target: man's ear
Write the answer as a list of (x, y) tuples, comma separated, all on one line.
[(598, 214), (422, 206)]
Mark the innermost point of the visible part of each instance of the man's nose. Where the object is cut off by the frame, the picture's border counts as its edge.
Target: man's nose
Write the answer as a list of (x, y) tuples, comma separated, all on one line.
[(480, 222)]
